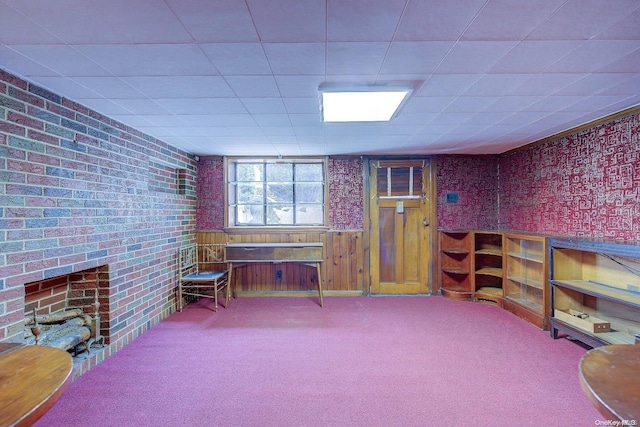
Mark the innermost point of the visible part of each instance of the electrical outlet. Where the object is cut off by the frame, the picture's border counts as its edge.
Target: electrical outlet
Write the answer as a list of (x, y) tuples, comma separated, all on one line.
[(278, 274)]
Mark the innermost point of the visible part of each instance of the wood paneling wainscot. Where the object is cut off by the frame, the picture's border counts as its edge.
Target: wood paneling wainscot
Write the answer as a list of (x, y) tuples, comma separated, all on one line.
[(342, 268)]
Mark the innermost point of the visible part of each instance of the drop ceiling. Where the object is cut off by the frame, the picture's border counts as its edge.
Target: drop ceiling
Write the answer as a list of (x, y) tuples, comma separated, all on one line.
[(232, 77)]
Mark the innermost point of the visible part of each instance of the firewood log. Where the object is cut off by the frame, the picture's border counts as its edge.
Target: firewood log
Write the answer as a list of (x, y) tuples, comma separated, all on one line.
[(57, 317)]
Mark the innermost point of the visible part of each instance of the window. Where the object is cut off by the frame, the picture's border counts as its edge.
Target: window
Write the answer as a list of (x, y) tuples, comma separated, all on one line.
[(276, 192)]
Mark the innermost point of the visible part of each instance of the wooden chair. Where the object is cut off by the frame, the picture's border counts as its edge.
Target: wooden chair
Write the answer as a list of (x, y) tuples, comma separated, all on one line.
[(203, 273)]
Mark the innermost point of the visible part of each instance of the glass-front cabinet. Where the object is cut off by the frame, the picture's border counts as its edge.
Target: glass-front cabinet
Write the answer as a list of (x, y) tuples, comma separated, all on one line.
[(525, 290), (595, 291)]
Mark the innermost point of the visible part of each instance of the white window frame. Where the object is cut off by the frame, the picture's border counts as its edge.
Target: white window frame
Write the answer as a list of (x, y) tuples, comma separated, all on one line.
[(231, 205)]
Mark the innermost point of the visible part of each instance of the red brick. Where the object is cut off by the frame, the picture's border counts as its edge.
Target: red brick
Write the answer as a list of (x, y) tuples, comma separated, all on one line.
[(23, 120), (43, 137), (13, 80), (12, 128), (17, 165)]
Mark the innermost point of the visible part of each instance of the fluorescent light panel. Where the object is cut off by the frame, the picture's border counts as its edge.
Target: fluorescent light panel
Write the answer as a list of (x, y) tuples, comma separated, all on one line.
[(365, 106)]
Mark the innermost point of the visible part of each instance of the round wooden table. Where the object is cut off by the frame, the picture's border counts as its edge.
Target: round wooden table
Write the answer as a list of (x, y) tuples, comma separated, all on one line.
[(610, 377), (32, 378)]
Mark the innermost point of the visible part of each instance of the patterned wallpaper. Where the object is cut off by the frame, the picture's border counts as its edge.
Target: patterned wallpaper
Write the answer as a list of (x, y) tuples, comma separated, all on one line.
[(475, 181), (210, 194), (346, 199), (586, 184), (346, 211)]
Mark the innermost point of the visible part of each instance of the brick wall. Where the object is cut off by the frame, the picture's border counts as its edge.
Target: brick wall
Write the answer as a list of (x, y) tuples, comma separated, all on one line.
[(79, 190)]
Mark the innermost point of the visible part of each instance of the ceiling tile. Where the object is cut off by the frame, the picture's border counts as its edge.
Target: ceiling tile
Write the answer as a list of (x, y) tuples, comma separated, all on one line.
[(199, 106), (264, 105), (628, 64), (595, 83), (496, 84), (271, 119), (355, 58), (109, 87), (534, 56), (215, 21), (473, 56), (580, 60), (141, 106), (275, 20), (524, 17), (469, 104), (237, 58), (302, 105), (582, 19), (299, 86), (363, 20), (181, 86), (447, 84), (20, 65), (70, 88), (253, 86), (624, 29), (296, 58), (437, 20), (63, 60), (150, 59), (18, 28), (546, 84), (415, 57), (99, 22)]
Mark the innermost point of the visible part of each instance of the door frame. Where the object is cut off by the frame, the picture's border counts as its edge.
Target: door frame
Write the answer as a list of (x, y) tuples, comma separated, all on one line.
[(431, 195)]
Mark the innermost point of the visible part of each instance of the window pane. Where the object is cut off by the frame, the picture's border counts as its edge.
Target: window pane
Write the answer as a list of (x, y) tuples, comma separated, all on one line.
[(250, 193), (249, 172), (309, 214), (279, 172), (250, 215), (309, 193), (309, 172), (280, 193), (279, 214)]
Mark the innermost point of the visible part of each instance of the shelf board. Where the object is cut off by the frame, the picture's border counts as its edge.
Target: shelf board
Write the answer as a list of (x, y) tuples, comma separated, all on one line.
[(534, 306), (534, 257), (492, 252), (526, 281), (455, 271), (600, 289), (613, 337), (490, 271), (455, 251), (487, 290)]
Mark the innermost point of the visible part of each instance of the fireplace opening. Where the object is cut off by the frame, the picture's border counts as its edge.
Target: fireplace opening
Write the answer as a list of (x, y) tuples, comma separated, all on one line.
[(70, 312)]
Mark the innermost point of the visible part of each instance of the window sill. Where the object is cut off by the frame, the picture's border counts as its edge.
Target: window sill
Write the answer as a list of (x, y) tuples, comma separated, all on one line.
[(275, 230)]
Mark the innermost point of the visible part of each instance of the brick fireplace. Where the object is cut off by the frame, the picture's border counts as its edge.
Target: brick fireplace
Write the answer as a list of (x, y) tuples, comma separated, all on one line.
[(80, 289)]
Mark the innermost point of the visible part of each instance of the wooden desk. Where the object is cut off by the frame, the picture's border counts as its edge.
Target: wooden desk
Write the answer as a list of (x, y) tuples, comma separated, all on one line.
[(32, 378), (610, 377), (308, 253)]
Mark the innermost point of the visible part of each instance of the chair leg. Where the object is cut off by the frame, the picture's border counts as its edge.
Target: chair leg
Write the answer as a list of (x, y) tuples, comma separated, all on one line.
[(215, 295), (179, 302)]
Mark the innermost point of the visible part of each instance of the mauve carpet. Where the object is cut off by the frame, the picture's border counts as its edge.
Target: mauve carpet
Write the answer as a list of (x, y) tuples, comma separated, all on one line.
[(377, 361)]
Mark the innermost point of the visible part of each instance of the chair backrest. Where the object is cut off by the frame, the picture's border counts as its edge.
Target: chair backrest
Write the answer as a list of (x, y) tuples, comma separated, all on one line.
[(202, 257), (212, 256), (188, 259)]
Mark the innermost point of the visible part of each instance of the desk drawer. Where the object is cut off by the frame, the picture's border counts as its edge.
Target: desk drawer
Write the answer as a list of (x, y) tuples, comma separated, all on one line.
[(274, 253)]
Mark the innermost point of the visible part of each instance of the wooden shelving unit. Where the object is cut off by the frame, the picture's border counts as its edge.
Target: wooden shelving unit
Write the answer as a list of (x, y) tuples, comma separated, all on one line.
[(595, 291), (525, 284), (488, 272), (456, 264)]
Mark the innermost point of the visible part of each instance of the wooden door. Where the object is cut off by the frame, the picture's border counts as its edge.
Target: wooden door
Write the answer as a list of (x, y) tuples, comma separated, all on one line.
[(399, 223)]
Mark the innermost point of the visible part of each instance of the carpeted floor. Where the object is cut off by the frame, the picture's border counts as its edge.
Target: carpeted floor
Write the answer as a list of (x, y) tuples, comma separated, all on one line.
[(378, 361)]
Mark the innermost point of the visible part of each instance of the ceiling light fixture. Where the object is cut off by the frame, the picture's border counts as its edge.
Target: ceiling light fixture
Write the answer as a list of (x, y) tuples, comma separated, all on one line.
[(361, 103)]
